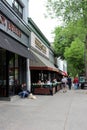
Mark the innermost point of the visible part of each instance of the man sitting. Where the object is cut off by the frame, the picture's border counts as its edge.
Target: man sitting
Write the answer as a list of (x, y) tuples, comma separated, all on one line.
[(24, 93)]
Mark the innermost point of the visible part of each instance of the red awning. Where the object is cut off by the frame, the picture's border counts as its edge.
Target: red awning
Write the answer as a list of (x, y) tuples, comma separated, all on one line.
[(43, 68), (64, 73)]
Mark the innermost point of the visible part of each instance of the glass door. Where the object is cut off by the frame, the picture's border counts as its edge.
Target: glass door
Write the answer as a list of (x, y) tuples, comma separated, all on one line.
[(11, 73), (2, 72)]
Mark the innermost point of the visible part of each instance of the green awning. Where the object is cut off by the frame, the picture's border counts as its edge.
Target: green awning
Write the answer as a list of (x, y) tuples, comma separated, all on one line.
[(41, 63)]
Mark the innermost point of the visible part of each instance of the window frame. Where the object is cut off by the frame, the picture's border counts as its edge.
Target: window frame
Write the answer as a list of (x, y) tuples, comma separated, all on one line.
[(17, 9)]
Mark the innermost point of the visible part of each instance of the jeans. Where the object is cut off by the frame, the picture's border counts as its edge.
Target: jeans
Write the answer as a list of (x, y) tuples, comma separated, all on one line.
[(23, 94), (76, 85)]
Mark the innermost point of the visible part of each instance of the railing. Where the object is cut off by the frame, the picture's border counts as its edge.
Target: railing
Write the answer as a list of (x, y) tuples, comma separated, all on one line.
[(46, 89)]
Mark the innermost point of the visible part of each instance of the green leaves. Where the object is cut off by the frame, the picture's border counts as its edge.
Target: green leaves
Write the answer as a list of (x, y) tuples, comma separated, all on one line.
[(70, 10), (69, 39), (75, 55), (69, 45)]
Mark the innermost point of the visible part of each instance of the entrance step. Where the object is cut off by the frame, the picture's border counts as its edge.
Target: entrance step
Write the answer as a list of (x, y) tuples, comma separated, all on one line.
[(14, 98), (4, 98), (11, 98)]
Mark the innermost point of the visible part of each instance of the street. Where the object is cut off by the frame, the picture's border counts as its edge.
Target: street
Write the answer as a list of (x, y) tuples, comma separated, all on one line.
[(62, 111)]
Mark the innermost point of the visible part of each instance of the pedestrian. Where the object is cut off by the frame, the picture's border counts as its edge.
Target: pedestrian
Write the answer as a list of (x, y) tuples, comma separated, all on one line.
[(64, 83), (76, 82), (69, 82)]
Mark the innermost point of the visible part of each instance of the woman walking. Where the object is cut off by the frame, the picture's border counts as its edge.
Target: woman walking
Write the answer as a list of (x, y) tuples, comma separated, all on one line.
[(64, 83)]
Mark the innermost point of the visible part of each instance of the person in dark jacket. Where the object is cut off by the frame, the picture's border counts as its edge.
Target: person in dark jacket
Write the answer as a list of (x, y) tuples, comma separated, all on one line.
[(69, 81), (24, 93)]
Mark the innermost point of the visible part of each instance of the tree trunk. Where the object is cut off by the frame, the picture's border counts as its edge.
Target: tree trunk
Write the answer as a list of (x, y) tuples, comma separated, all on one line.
[(85, 58)]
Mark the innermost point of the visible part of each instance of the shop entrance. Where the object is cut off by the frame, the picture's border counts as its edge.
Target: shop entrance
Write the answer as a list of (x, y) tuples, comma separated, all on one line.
[(12, 73), (17, 73), (2, 72)]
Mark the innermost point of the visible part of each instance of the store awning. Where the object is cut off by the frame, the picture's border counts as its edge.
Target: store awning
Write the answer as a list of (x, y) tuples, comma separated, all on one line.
[(41, 63), (64, 73), (14, 46)]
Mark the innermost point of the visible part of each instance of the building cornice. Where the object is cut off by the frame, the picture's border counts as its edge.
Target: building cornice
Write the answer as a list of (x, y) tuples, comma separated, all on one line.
[(8, 11), (38, 32)]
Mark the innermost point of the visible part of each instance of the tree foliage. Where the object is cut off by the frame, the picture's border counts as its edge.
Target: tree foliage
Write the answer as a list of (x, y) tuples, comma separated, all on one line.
[(75, 55), (68, 44), (69, 10), (65, 35), (69, 39)]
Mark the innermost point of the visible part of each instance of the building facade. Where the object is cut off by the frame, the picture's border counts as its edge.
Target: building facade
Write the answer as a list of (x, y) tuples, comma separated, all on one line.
[(25, 53), (62, 65), (44, 67), (14, 46)]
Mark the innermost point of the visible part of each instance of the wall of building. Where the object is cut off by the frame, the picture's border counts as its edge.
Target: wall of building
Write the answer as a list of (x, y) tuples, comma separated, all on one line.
[(25, 9), (62, 64), (13, 22), (37, 44), (14, 34), (43, 43), (51, 56)]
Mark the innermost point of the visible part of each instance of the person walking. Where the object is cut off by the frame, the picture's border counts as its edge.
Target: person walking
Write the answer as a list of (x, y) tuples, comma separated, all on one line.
[(64, 83), (69, 82), (76, 82)]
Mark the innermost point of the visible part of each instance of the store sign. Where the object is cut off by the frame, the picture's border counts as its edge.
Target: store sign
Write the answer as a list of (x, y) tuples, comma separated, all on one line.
[(40, 46), (13, 28), (10, 26)]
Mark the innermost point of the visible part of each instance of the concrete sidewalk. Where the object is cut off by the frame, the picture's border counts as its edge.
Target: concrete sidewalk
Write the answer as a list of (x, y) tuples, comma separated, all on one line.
[(62, 111)]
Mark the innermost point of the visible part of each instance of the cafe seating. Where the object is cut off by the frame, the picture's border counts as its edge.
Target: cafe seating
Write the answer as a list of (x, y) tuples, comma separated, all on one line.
[(45, 89)]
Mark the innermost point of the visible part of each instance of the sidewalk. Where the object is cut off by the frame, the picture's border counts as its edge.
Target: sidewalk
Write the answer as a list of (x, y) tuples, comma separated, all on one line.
[(62, 111)]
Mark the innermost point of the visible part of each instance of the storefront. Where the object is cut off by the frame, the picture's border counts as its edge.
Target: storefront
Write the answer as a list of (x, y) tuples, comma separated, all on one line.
[(12, 72), (44, 67), (14, 52)]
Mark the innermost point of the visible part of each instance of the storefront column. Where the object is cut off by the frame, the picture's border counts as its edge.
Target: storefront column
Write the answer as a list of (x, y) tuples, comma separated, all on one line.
[(28, 76), (49, 76)]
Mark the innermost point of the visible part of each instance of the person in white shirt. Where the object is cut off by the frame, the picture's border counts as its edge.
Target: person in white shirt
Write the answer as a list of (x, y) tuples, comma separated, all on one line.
[(64, 83)]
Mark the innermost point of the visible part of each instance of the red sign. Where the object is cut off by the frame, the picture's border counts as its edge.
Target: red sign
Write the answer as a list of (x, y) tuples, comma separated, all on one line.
[(10, 25), (13, 28)]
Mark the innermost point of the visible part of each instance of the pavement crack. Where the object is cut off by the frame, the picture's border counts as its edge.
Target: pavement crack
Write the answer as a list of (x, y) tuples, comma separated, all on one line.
[(67, 115)]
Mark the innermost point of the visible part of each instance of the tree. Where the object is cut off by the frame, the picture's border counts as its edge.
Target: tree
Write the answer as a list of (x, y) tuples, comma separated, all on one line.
[(59, 42), (68, 44), (71, 70), (63, 38), (75, 55), (65, 35), (71, 11), (68, 10)]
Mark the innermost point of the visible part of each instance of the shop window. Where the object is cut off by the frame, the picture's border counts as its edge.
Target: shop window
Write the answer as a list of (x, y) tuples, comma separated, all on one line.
[(22, 69), (11, 73), (2, 72), (18, 8), (16, 68)]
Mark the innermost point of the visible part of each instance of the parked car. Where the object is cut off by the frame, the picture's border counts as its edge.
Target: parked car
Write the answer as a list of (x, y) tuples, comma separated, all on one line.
[(82, 81)]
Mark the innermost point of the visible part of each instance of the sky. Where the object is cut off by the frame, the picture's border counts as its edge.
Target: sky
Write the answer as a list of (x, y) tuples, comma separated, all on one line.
[(37, 10)]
